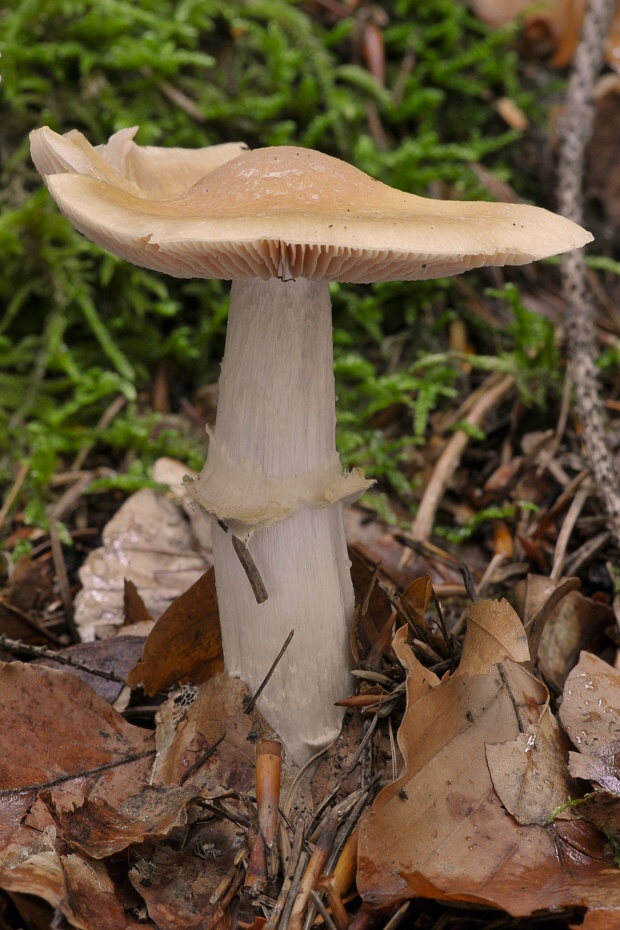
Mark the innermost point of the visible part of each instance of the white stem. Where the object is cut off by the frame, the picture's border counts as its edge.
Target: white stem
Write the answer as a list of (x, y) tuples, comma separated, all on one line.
[(276, 412)]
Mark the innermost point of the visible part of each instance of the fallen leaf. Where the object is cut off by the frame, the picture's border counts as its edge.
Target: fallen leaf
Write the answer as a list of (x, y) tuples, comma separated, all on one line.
[(150, 542), (116, 655), (34, 869), (185, 644), (441, 831), (590, 711), (65, 728), (205, 740), (548, 26), (601, 808), (178, 884), (370, 623), (134, 608), (494, 633), (62, 733), (99, 829), (529, 773), (577, 623), (601, 768), (92, 902)]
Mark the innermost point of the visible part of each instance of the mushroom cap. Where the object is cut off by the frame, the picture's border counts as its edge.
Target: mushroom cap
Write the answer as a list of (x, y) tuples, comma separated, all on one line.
[(282, 212)]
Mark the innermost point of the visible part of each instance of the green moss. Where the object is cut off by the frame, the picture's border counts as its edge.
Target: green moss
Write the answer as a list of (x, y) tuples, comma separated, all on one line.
[(79, 328)]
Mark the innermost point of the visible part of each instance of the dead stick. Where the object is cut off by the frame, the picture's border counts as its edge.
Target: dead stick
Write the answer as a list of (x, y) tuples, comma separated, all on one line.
[(575, 133), (450, 458), (290, 872), (250, 705), (41, 652), (313, 872), (22, 474)]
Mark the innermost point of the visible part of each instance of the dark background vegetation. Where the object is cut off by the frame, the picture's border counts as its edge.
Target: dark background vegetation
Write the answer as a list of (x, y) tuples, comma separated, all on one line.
[(82, 332)]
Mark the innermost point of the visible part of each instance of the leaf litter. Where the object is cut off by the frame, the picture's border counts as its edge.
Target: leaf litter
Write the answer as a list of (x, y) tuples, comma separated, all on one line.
[(481, 798)]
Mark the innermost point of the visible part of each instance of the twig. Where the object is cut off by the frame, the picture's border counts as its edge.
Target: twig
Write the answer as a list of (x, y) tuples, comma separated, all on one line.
[(559, 555), (62, 779), (327, 917), (396, 918), (203, 758), (575, 133), (22, 473), (450, 458), (249, 567), (290, 872), (250, 705), (63, 580), (42, 652), (314, 870), (29, 622), (106, 418), (469, 582)]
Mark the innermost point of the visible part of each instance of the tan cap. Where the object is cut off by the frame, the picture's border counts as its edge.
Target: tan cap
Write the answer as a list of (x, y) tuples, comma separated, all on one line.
[(282, 212)]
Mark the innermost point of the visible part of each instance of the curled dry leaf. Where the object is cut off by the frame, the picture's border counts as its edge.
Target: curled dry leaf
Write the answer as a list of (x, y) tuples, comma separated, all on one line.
[(205, 740), (566, 622), (149, 541), (601, 768), (116, 655), (92, 901), (441, 831), (590, 714), (178, 882), (590, 705), (494, 633), (529, 773), (186, 642), (99, 829), (34, 869), (79, 889)]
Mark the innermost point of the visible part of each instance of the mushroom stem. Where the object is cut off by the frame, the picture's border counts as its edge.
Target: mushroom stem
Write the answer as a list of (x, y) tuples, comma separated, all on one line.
[(276, 418)]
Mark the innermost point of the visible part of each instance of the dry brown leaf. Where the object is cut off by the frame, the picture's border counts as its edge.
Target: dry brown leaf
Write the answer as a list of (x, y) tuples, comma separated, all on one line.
[(134, 608), (440, 829), (529, 773), (92, 901), (177, 884), (601, 808), (590, 711), (190, 724), (116, 655), (61, 731), (574, 624), (98, 829), (369, 624), (59, 726), (79, 889), (149, 541), (494, 633), (185, 644), (601, 768), (34, 869)]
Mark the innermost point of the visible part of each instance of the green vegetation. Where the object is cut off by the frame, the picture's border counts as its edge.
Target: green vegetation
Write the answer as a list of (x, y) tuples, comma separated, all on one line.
[(79, 329)]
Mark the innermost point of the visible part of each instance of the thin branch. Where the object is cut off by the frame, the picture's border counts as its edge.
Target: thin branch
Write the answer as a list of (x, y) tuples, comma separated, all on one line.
[(62, 779), (575, 133), (451, 456), (42, 652)]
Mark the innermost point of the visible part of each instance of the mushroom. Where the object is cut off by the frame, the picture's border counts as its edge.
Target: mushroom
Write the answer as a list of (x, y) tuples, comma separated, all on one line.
[(281, 223)]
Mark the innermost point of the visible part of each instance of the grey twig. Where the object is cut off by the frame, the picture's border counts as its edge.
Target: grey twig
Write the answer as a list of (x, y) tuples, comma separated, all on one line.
[(575, 133)]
